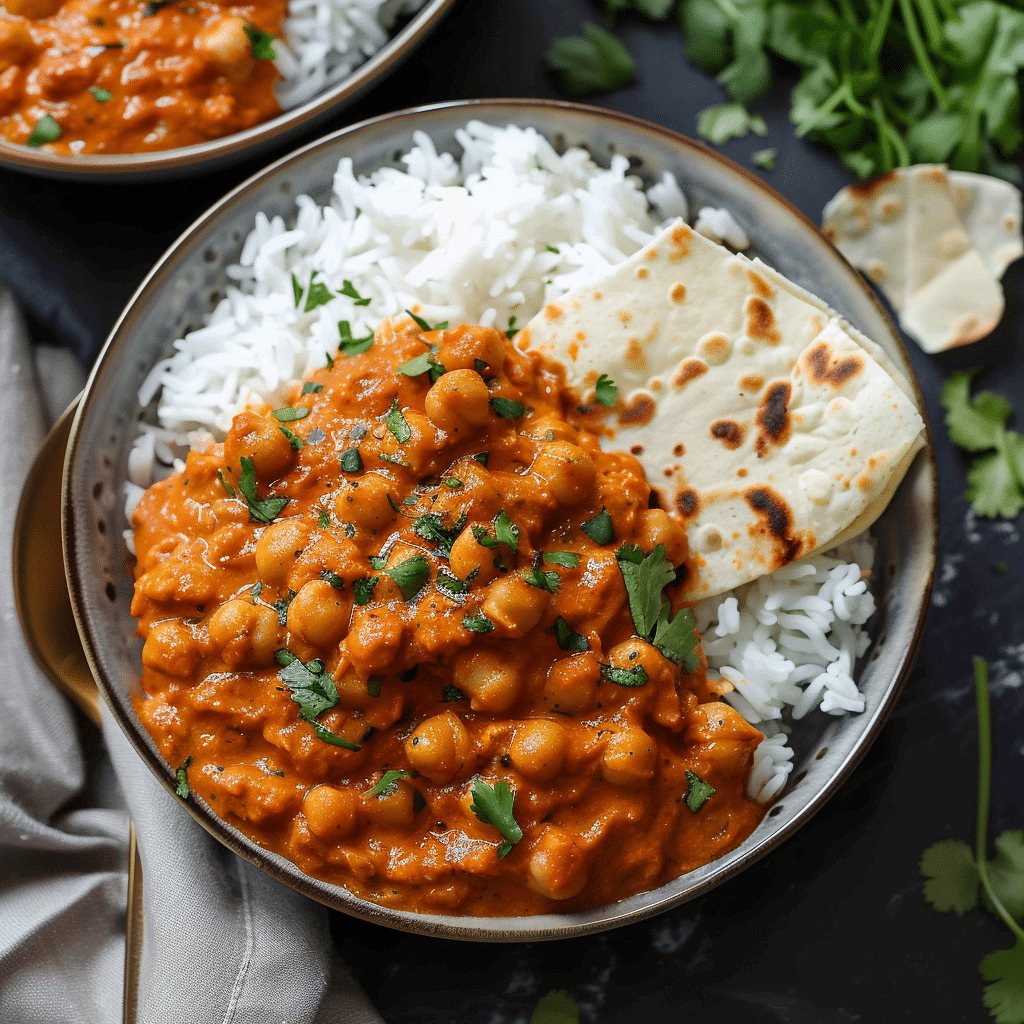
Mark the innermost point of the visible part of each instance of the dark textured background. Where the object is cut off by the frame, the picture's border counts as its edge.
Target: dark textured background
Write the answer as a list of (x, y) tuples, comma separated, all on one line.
[(831, 927)]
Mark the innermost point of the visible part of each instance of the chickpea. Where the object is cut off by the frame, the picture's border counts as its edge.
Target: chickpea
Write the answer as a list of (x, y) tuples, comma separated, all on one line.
[(16, 44), (373, 640), (458, 400), (439, 747), (637, 653), (225, 44), (171, 648), (467, 346), (538, 749), (245, 633), (488, 678), (726, 738), (364, 503), (514, 605), (331, 813), (319, 614), (260, 439), (629, 757), (396, 806), (572, 682), (656, 527), (60, 75), (558, 867), (279, 546), (567, 471), (32, 9), (552, 428), (422, 445), (468, 553)]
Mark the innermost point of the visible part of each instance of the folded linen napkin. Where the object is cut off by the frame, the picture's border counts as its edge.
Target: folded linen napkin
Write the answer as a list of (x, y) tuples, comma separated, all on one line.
[(223, 942)]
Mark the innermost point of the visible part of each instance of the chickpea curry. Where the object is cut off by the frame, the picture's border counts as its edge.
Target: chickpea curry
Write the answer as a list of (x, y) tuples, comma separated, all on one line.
[(415, 631), (134, 76)]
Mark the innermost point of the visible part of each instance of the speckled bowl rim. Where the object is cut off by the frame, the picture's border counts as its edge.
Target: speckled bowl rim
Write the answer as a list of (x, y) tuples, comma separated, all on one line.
[(208, 156), (915, 523)]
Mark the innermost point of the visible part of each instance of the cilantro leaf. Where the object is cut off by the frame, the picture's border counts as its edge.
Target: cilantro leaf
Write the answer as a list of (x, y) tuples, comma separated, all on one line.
[(260, 42), (424, 326), (312, 688), (348, 345), (290, 413), (698, 792), (182, 789), (972, 425), (430, 526), (45, 130), (951, 876), (351, 461), (765, 158), (388, 783), (1006, 872), (506, 532), (493, 805), (726, 121), (645, 579), (570, 559), (568, 639), (348, 290), (1004, 995), (478, 623), (594, 61), (450, 693), (549, 581), (264, 510), (556, 1008), (992, 486), (397, 424), (100, 95), (227, 487), (410, 575), (423, 363), (606, 390), (507, 408), (599, 529), (362, 590), (635, 676)]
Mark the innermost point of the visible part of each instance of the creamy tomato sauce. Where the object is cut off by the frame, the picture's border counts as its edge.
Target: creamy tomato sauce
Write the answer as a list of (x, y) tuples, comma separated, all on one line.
[(387, 635), (134, 76)]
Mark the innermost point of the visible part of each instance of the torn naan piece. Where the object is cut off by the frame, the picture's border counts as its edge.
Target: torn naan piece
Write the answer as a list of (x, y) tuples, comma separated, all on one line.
[(935, 242), (762, 424)]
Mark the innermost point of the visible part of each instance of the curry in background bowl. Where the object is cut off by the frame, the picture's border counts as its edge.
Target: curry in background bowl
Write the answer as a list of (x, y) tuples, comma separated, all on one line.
[(104, 88), (393, 768)]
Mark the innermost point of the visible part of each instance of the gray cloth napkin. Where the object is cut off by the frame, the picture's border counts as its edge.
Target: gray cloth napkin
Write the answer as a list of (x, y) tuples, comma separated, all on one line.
[(224, 943)]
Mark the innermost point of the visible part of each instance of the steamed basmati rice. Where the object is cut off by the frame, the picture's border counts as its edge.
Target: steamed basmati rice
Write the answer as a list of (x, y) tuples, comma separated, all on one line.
[(323, 43), (490, 238)]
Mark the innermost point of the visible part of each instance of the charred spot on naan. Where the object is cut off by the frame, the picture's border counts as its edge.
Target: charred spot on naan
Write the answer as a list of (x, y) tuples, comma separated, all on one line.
[(760, 285), (760, 321), (775, 524), (728, 432), (680, 236), (687, 503), (689, 369), (822, 367), (773, 417), (639, 411)]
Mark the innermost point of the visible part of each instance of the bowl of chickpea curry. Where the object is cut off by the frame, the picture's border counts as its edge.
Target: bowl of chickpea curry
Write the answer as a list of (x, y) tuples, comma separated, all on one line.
[(105, 89), (400, 603)]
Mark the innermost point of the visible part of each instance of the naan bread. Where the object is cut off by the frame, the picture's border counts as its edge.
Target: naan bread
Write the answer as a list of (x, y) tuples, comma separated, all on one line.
[(936, 243), (761, 422)]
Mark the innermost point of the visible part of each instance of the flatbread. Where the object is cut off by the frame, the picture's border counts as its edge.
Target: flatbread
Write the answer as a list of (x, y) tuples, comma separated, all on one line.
[(762, 425), (935, 242)]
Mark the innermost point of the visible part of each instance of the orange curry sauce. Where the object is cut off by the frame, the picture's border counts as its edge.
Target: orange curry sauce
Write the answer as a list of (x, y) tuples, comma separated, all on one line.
[(134, 76), (436, 562)]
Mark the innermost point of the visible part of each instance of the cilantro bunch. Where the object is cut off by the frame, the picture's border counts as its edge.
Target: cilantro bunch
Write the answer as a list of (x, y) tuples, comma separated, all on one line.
[(995, 480), (954, 877), (884, 83)]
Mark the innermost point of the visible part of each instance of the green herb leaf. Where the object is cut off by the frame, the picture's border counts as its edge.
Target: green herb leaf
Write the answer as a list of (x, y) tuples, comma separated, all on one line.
[(765, 158), (281, 607), (506, 532), (951, 877), (972, 424), (549, 581), (450, 693), (635, 676), (311, 388), (478, 623), (46, 130), (482, 457), (451, 585), (724, 121), (698, 792), (423, 363), (430, 526), (599, 529), (312, 688), (1004, 995), (260, 43), (606, 390), (410, 575), (484, 537), (568, 639), (227, 487), (567, 558), (349, 346), (493, 805), (556, 1008), (348, 289), (424, 326), (351, 461), (511, 331), (266, 510), (594, 61), (507, 408), (333, 578), (388, 784), (362, 589), (645, 577), (374, 685), (100, 95), (290, 413), (293, 439), (183, 790), (396, 423)]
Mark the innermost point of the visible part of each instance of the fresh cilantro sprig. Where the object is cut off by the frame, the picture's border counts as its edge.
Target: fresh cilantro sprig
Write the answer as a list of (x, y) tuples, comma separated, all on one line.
[(646, 576), (995, 479), (313, 689), (594, 61), (183, 790), (263, 510), (954, 877), (493, 806)]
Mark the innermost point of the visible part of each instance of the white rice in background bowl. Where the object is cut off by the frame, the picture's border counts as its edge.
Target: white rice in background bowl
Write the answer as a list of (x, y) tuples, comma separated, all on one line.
[(490, 237)]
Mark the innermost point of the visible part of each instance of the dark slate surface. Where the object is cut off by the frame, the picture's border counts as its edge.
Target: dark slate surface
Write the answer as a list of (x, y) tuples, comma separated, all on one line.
[(829, 928)]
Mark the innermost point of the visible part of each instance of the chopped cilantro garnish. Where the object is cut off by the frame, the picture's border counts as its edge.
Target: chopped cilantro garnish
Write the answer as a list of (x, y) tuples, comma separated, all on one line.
[(313, 689), (363, 589), (351, 461), (697, 791), (410, 575), (452, 482), (349, 346), (606, 390), (330, 360), (431, 527), (483, 537), (635, 676), (348, 289), (451, 585), (263, 511), (100, 95), (388, 784), (450, 693), (482, 457), (311, 388), (723, 121), (396, 423), (478, 623), (46, 130), (281, 607), (493, 805), (290, 413), (507, 408), (567, 558), (568, 639), (260, 42), (373, 685), (323, 520), (227, 487), (511, 331), (183, 790), (333, 578), (293, 439), (765, 158), (537, 577), (423, 325), (506, 531), (599, 529)]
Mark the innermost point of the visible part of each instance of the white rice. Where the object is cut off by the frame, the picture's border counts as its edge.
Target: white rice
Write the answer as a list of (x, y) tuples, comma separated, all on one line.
[(488, 238), (323, 43)]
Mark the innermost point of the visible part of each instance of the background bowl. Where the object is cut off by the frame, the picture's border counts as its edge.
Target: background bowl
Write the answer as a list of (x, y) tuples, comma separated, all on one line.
[(183, 287), (270, 135)]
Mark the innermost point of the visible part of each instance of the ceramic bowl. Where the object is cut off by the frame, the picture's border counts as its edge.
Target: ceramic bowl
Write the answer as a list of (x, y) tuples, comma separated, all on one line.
[(182, 288), (269, 136)]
